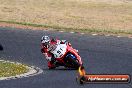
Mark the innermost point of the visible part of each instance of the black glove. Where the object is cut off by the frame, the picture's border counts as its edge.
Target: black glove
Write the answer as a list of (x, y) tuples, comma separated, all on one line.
[(42, 50), (53, 59)]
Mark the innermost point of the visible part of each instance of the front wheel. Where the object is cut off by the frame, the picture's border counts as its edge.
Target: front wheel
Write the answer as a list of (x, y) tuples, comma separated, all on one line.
[(72, 62)]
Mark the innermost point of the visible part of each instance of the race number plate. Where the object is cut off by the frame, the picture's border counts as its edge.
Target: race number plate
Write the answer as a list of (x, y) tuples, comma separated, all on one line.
[(59, 51)]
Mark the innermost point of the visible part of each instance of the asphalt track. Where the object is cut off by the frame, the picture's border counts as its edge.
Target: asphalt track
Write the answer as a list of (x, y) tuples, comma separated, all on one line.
[(100, 54)]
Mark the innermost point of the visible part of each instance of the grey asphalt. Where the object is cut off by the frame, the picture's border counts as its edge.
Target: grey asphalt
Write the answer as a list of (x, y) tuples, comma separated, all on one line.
[(100, 54)]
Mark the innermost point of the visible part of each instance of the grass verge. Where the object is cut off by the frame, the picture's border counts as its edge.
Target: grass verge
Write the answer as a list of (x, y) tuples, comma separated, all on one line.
[(77, 30), (8, 69), (96, 16)]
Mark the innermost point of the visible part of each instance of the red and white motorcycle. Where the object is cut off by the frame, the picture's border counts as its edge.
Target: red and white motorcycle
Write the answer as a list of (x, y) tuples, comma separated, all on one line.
[(66, 56)]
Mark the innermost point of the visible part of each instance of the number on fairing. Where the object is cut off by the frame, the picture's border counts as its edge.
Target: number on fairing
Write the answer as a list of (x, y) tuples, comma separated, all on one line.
[(59, 51)]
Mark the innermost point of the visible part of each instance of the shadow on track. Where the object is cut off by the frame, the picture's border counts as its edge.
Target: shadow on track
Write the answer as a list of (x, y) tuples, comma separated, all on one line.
[(60, 69), (1, 47)]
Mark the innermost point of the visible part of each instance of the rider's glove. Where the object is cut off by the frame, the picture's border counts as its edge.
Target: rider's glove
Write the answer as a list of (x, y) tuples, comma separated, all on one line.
[(53, 59), (42, 50)]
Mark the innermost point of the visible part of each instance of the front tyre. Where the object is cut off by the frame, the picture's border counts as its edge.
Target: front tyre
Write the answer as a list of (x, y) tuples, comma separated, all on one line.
[(71, 61), (74, 63)]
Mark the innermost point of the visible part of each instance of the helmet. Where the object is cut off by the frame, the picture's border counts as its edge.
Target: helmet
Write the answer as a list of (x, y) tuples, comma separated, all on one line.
[(45, 40)]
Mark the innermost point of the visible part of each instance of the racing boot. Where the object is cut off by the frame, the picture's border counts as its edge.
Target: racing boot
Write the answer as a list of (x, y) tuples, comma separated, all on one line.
[(51, 65)]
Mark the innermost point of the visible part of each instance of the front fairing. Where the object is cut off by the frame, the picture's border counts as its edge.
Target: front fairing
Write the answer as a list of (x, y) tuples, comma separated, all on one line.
[(59, 50), (67, 49), (73, 51)]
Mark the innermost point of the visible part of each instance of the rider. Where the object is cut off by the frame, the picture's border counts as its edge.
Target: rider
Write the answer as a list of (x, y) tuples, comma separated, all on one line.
[(46, 42)]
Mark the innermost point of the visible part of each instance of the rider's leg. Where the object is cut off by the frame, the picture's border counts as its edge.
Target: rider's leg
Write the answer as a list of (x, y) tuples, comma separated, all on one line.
[(51, 65)]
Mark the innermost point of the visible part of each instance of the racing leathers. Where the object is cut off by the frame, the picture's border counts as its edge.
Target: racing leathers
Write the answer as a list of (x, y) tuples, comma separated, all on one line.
[(49, 56)]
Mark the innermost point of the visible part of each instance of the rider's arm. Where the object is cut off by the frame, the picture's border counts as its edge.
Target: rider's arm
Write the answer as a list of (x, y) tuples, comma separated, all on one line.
[(65, 42), (48, 55)]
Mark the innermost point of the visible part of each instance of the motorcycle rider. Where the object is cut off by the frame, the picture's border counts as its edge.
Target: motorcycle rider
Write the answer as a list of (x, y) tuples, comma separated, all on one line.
[(46, 42)]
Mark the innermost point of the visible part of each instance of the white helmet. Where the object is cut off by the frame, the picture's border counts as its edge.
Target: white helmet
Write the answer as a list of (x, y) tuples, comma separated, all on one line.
[(45, 40)]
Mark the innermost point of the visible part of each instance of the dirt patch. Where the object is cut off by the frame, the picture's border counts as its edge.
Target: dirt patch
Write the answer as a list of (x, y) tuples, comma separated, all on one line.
[(76, 14)]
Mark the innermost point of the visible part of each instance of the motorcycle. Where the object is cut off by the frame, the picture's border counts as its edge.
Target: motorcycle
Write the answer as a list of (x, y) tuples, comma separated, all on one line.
[(66, 56)]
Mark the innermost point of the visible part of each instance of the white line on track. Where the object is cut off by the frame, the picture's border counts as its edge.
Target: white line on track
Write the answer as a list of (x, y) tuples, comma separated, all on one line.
[(119, 36), (82, 33), (61, 31), (107, 35), (94, 34), (72, 32)]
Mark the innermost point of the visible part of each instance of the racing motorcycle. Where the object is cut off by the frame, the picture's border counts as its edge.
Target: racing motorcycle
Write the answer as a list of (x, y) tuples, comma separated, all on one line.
[(66, 56)]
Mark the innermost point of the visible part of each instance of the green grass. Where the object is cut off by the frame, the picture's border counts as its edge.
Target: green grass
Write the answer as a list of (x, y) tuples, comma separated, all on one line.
[(10, 69), (61, 28)]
